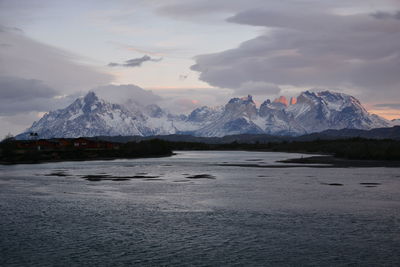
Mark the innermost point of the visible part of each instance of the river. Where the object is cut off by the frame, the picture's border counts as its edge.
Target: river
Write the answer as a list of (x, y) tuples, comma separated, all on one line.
[(190, 209)]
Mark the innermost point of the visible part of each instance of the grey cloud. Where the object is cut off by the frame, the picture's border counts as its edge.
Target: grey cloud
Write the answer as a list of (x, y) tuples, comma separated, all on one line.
[(112, 64), (197, 96), (15, 124), (135, 62), (192, 9), (126, 92), (257, 88), (183, 77), (13, 88), (195, 8), (33, 74), (388, 105), (311, 50), (10, 29), (19, 95), (57, 68), (386, 15)]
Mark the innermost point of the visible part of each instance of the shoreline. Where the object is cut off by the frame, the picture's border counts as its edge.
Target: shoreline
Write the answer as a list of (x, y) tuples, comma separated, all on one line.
[(81, 159), (320, 161), (335, 162)]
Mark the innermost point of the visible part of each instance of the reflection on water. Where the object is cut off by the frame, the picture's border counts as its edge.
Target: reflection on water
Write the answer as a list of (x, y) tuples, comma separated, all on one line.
[(189, 209)]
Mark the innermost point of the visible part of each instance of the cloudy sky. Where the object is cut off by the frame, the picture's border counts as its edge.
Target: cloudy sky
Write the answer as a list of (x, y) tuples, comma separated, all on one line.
[(187, 53)]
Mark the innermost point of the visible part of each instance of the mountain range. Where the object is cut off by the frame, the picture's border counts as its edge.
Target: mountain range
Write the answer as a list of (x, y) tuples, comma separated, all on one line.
[(310, 112), (392, 133)]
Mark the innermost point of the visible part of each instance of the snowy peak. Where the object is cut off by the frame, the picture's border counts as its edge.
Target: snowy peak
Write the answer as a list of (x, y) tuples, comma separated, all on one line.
[(154, 111), (242, 101), (281, 100), (237, 117), (203, 114), (395, 122), (307, 97), (90, 98), (244, 106), (91, 102), (332, 110), (339, 101), (309, 112)]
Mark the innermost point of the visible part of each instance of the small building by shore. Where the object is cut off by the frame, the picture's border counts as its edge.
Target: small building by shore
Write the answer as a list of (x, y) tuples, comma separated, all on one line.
[(66, 144)]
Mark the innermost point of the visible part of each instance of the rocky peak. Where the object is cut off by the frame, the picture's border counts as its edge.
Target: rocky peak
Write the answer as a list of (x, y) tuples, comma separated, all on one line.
[(243, 100), (247, 98), (268, 107), (281, 100), (200, 114), (90, 102), (242, 106), (396, 122), (90, 98), (265, 103), (308, 98), (154, 111)]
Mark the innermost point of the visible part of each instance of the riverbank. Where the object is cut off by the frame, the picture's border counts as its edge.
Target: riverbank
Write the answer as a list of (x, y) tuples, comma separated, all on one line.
[(331, 161), (355, 152), (80, 149), (54, 160)]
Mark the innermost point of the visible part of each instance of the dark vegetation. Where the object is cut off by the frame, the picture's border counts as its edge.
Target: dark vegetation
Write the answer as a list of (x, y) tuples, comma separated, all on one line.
[(12, 151), (392, 133), (353, 148), (374, 144), (36, 151)]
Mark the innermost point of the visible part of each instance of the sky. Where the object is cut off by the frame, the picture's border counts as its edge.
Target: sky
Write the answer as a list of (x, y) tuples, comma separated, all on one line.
[(182, 54)]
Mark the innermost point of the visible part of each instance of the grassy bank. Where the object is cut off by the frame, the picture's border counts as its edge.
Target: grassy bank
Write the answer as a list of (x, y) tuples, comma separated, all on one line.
[(12, 153), (354, 148)]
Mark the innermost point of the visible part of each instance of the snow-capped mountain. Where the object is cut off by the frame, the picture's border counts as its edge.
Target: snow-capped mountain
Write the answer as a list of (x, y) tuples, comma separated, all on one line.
[(396, 122), (329, 110), (238, 117), (276, 119), (91, 116), (309, 112)]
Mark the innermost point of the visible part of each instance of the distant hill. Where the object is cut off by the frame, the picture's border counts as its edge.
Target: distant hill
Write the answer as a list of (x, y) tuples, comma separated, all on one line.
[(243, 138), (378, 133)]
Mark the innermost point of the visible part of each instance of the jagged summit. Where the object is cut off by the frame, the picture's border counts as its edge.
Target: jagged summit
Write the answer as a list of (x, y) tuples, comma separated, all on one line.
[(90, 97), (281, 100), (243, 100), (248, 98), (396, 121), (309, 112)]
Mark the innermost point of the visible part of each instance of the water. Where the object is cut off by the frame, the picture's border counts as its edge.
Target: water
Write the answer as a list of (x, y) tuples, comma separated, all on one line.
[(246, 216)]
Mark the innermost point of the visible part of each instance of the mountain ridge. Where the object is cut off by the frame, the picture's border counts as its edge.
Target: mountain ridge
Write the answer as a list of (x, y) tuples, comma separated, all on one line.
[(376, 133), (309, 113)]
